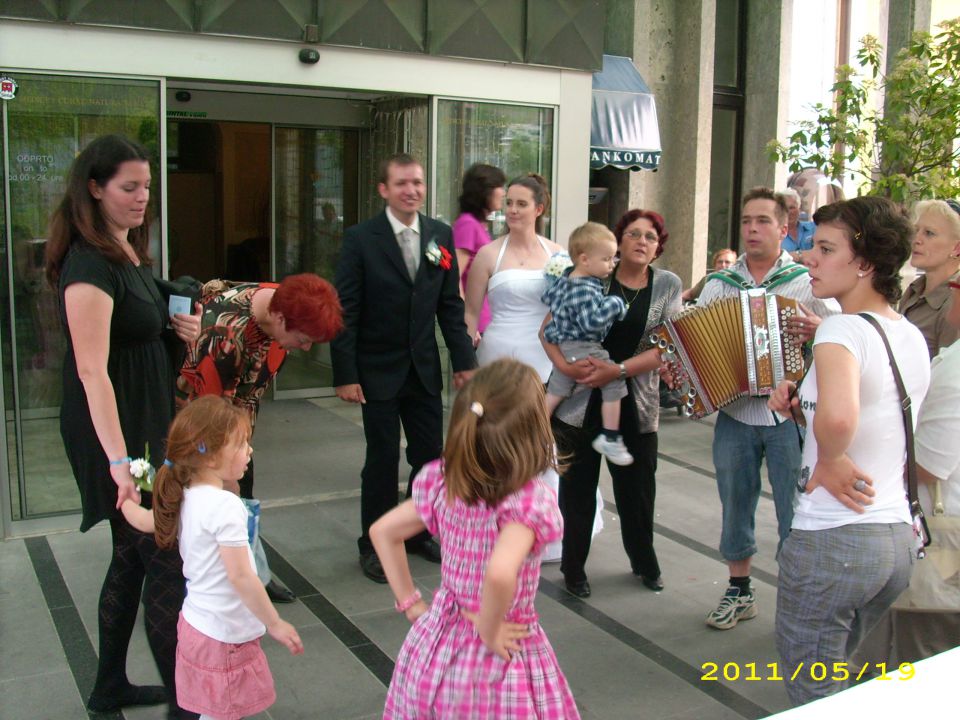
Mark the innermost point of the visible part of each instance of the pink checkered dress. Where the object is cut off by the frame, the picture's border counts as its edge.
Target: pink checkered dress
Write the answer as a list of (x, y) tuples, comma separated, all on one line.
[(444, 670)]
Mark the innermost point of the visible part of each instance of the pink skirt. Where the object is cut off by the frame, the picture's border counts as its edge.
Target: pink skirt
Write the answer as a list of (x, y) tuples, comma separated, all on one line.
[(225, 680)]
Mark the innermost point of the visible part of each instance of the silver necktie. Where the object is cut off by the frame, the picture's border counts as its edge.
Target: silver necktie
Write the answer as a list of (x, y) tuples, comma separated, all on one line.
[(409, 247)]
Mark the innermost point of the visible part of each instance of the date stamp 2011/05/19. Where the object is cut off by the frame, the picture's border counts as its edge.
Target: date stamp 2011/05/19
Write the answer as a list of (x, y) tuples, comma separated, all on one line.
[(817, 671)]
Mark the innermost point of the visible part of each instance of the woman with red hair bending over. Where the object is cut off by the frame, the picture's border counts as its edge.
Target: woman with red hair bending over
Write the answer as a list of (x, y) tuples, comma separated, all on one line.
[(245, 334)]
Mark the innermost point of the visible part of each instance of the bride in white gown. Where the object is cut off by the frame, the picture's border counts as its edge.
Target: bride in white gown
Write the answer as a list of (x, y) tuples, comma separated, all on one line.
[(508, 273)]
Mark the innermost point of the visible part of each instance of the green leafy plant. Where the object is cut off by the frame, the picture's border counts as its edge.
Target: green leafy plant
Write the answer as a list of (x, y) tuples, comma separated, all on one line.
[(906, 150)]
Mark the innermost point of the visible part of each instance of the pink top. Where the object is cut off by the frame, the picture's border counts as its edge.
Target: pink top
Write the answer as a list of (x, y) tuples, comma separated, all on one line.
[(470, 234), (443, 669)]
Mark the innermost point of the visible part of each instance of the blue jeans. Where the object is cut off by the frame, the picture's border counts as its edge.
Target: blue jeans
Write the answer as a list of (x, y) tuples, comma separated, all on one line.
[(738, 450)]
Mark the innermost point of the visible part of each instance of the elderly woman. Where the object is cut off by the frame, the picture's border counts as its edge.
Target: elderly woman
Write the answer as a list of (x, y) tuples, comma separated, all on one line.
[(936, 251), (799, 232), (651, 296), (849, 553), (118, 379)]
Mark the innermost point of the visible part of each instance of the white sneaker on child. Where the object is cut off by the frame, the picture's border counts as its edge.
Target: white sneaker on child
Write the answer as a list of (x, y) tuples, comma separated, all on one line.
[(613, 450)]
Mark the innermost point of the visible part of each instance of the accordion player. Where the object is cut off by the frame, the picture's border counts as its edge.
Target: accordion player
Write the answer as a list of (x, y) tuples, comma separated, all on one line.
[(730, 348)]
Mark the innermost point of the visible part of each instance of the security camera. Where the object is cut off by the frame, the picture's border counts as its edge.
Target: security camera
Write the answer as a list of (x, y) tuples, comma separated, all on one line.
[(182, 96), (309, 56)]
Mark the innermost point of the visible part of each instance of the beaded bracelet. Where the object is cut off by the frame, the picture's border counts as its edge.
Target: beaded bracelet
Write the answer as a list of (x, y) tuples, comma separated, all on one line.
[(121, 461), (408, 603)]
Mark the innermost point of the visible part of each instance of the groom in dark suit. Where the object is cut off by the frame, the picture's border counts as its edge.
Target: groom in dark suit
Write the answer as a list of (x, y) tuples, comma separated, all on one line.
[(397, 274)]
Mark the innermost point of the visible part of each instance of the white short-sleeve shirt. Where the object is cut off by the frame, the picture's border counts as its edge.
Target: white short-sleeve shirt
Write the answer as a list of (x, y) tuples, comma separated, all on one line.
[(211, 518), (938, 430), (879, 444)]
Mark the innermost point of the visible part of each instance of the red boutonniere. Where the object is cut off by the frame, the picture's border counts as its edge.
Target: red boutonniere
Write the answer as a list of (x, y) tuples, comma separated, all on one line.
[(439, 255), (446, 260)]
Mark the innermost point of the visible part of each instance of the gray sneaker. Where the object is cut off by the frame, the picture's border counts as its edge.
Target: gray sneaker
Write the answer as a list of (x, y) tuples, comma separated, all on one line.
[(734, 606), (613, 450)]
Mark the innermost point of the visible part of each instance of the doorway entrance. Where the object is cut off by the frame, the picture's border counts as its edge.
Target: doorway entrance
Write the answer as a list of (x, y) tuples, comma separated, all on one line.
[(256, 188), (258, 201)]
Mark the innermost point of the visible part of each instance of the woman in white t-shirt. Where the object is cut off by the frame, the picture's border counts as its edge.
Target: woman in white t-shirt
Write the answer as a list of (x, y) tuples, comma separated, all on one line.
[(221, 670), (851, 548)]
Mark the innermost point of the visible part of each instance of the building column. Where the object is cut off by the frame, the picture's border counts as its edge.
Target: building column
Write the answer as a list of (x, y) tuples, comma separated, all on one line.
[(904, 17), (766, 91), (672, 46)]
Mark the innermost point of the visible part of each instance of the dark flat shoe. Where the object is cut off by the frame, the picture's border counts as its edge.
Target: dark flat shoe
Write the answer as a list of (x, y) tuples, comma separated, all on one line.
[(133, 695), (181, 714), (578, 589), (278, 593), (655, 584), (370, 564)]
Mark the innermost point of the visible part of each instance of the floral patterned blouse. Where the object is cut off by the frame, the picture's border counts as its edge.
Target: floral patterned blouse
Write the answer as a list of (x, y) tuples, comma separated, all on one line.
[(233, 357)]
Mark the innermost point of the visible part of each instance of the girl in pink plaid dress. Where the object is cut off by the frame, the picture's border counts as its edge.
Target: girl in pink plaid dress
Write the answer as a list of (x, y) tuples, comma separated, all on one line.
[(478, 650)]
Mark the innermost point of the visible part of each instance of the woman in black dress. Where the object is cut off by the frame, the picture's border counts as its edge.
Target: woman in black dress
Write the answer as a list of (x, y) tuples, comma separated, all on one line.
[(118, 399), (651, 297)]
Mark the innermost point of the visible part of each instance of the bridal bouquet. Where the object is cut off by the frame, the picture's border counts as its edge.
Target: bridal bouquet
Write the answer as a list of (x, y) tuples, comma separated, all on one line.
[(556, 266)]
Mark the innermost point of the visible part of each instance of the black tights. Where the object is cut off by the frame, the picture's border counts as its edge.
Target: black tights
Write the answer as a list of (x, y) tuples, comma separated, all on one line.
[(138, 565)]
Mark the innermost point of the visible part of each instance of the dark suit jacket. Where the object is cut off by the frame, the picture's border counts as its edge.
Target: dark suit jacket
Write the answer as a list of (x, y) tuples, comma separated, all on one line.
[(388, 319)]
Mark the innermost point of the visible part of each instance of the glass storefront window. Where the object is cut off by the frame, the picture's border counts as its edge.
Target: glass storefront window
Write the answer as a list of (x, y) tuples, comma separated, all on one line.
[(516, 138), (316, 198), (726, 67), (723, 192), (51, 119)]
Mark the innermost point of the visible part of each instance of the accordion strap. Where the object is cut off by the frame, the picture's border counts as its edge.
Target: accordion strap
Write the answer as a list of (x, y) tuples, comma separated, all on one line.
[(910, 470), (785, 274)]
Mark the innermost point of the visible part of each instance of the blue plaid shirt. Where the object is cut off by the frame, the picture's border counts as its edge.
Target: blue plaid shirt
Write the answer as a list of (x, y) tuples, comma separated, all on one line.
[(580, 309)]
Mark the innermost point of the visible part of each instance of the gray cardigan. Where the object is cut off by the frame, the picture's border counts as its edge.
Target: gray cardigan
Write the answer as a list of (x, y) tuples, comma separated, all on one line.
[(664, 303)]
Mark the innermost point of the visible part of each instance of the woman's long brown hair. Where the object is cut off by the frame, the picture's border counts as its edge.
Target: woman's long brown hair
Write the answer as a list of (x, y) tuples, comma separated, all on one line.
[(79, 214), (198, 433)]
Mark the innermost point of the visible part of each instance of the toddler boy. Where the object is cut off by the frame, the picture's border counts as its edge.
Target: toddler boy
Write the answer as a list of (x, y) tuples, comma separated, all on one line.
[(582, 313)]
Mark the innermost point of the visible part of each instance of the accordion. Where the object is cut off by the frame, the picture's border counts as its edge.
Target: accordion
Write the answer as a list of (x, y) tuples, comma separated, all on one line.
[(730, 348)]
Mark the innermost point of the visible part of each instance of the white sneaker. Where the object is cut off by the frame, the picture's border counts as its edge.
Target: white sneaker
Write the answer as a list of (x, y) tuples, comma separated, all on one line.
[(734, 606), (613, 450)]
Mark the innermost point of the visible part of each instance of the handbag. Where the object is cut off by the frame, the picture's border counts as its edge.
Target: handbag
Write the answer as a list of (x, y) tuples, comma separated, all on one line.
[(920, 529)]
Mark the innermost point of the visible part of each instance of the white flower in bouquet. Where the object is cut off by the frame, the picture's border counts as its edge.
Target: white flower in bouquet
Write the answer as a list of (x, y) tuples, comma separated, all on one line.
[(143, 472), (556, 266)]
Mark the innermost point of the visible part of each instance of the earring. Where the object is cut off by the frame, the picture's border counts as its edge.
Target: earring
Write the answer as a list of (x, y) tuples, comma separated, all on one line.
[(860, 274)]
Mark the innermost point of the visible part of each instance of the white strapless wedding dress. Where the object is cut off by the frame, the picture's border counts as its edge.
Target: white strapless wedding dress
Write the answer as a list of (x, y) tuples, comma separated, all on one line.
[(516, 315)]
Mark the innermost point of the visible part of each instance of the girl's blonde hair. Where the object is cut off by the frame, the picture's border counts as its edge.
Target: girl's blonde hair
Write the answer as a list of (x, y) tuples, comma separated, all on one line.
[(499, 436), (197, 434)]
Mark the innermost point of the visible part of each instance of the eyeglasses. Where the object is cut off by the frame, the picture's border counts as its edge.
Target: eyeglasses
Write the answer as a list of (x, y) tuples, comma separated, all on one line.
[(649, 237)]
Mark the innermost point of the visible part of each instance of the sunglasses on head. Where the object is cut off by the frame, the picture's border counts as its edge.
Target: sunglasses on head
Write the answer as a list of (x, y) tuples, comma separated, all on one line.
[(954, 205)]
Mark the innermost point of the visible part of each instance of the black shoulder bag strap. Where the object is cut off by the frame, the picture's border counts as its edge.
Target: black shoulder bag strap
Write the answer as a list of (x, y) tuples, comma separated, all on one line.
[(910, 470)]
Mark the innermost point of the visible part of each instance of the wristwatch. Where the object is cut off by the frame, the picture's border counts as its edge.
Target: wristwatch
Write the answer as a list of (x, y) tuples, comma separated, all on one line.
[(623, 371)]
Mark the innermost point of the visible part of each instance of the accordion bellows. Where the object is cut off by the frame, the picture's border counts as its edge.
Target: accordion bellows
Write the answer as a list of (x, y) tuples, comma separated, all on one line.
[(730, 348)]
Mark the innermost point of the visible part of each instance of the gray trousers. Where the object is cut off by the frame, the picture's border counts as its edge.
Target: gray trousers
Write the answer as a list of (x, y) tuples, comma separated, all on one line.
[(834, 587), (562, 386)]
